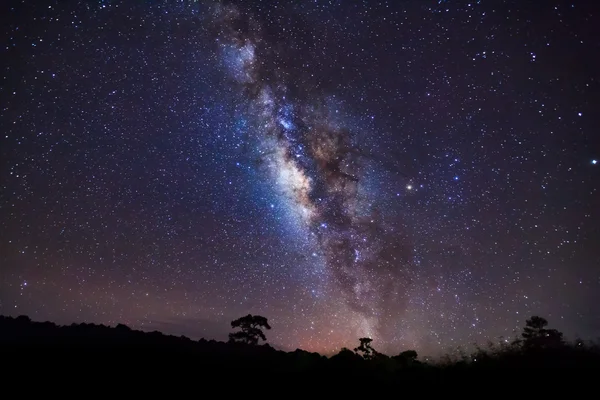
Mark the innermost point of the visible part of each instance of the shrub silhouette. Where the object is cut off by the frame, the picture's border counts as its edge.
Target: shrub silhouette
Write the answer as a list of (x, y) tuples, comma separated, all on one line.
[(406, 358), (251, 329), (346, 356), (536, 336)]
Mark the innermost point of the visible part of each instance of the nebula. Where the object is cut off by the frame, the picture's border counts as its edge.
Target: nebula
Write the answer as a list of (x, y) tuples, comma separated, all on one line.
[(319, 166)]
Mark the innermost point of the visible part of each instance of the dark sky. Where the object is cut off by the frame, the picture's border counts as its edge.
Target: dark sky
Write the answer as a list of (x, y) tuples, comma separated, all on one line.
[(420, 172)]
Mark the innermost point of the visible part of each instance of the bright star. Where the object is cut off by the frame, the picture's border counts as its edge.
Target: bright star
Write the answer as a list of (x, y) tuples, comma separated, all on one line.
[(594, 162), (409, 187)]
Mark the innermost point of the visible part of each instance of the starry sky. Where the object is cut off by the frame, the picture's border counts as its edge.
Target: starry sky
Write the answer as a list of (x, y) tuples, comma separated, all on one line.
[(420, 172)]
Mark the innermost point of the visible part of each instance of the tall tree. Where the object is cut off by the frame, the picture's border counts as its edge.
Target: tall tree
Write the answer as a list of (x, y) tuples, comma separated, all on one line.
[(251, 327), (365, 349)]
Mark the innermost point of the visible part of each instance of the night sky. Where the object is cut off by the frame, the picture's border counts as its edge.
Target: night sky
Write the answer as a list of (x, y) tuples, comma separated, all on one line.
[(420, 172)]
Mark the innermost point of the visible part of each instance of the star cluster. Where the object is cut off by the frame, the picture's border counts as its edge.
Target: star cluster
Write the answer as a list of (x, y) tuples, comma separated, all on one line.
[(423, 172)]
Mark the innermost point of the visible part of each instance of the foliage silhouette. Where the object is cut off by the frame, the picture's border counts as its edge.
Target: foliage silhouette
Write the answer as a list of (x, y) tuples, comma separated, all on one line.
[(407, 358), (85, 346), (365, 349), (536, 335), (251, 329), (346, 357)]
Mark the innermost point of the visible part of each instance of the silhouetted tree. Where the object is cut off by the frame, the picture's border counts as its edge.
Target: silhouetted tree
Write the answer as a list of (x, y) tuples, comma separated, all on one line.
[(251, 329), (409, 355), (365, 349), (536, 335), (406, 358)]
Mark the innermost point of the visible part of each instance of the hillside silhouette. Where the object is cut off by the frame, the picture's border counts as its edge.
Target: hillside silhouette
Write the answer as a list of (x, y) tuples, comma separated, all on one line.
[(85, 346)]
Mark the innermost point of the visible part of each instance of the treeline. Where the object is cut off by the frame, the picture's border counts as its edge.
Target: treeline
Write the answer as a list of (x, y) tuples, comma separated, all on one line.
[(89, 345)]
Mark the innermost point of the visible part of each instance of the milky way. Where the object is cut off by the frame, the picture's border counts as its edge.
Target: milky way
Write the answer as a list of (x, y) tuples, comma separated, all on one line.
[(319, 166), (420, 172)]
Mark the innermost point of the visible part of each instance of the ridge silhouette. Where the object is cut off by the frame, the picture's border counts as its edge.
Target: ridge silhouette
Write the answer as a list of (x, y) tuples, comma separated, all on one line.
[(88, 346)]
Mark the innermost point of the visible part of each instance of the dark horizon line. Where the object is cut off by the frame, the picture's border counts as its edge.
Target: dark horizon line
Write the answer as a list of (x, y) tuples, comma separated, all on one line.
[(456, 349)]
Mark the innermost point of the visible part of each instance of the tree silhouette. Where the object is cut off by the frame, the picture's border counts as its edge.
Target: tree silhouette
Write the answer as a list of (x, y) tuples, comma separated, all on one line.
[(251, 329), (407, 357), (535, 334), (365, 349)]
